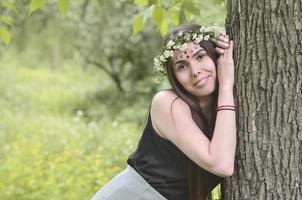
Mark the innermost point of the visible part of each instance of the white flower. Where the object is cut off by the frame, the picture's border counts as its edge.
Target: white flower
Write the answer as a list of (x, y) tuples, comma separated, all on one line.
[(170, 44), (180, 33), (184, 46), (194, 36), (156, 61), (202, 29), (187, 37), (168, 53), (198, 38), (162, 58), (206, 37), (177, 46)]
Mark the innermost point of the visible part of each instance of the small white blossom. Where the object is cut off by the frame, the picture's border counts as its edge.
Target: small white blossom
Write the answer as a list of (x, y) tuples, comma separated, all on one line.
[(198, 38), (184, 46), (206, 37), (162, 58), (194, 36), (178, 46), (202, 29), (156, 61), (180, 33), (168, 53), (187, 37), (170, 44)]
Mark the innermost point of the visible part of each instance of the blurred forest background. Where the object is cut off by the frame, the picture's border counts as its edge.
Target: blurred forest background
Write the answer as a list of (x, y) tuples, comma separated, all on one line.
[(75, 91)]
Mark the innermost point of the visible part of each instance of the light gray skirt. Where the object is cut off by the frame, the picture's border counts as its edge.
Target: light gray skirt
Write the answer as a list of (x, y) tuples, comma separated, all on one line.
[(128, 185)]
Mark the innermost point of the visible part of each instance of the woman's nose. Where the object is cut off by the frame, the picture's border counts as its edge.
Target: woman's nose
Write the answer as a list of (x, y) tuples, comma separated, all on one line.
[(196, 72)]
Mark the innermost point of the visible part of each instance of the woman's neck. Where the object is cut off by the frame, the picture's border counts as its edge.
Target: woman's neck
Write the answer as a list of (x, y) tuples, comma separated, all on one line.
[(206, 105)]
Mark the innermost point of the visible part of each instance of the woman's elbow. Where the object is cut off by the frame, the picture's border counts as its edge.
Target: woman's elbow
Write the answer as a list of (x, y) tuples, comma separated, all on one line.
[(225, 170)]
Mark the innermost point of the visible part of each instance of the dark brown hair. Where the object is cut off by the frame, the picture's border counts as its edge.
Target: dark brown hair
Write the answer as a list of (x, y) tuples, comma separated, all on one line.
[(198, 179)]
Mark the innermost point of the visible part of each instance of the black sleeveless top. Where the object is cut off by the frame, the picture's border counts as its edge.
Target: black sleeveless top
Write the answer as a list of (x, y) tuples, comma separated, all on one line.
[(161, 164)]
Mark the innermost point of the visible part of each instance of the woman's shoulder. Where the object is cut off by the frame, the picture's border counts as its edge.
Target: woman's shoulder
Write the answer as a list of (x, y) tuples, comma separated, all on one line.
[(166, 99), (166, 108)]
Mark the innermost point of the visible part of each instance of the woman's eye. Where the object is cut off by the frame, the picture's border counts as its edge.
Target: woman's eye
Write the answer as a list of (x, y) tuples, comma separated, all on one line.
[(181, 67), (199, 57)]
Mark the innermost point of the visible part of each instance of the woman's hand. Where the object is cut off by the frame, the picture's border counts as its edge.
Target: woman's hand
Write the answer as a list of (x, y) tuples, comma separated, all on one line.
[(222, 42), (225, 69)]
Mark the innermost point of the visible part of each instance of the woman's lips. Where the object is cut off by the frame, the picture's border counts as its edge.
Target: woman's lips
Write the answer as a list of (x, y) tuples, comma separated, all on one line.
[(202, 82)]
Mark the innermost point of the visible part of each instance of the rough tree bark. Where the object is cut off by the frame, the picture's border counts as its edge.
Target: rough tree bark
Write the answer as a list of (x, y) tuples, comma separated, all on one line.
[(268, 64)]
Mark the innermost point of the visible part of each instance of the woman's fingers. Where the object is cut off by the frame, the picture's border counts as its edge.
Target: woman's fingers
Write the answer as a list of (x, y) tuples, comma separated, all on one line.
[(229, 51), (223, 38), (223, 45), (219, 50), (231, 48)]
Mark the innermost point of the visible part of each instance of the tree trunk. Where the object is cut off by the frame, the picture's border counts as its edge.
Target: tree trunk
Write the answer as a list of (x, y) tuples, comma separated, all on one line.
[(268, 67)]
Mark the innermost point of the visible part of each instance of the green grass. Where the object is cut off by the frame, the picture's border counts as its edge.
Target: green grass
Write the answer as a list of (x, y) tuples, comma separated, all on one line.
[(49, 149)]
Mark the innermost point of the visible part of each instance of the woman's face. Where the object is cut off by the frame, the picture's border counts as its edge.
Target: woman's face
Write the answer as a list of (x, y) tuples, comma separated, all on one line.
[(195, 70)]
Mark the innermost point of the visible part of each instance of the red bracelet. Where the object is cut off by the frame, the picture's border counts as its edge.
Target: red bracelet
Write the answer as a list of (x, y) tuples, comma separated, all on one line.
[(233, 109), (226, 106), (223, 106)]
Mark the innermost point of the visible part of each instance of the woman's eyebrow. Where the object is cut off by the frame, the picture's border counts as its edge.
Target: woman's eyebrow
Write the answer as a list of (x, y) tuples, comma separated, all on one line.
[(198, 52)]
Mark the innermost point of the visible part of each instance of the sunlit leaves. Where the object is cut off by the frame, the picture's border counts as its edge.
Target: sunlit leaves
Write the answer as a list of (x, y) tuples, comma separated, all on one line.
[(8, 5), (141, 2), (165, 13), (63, 6), (138, 24), (190, 6), (6, 19), (36, 4), (5, 35), (158, 15), (164, 27), (174, 16)]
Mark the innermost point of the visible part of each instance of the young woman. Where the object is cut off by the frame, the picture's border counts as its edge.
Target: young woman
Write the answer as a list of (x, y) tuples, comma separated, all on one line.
[(189, 139)]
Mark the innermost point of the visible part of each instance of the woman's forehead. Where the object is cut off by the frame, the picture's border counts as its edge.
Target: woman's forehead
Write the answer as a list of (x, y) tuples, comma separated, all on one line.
[(191, 49)]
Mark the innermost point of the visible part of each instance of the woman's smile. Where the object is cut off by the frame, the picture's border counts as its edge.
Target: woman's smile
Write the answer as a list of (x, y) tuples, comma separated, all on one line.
[(200, 83)]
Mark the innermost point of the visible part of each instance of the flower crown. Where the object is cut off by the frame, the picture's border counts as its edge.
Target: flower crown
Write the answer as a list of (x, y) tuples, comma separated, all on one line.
[(180, 42)]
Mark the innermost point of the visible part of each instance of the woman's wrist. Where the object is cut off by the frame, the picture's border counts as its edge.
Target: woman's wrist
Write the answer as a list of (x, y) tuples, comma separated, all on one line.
[(225, 96), (226, 89)]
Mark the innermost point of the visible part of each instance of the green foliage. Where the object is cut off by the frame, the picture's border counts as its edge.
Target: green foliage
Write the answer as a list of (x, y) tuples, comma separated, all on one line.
[(11, 12), (141, 2), (48, 148), (158, 15), (36, 4), (5, 35), (175, 12), (190, 7), (9, 5), (63, 6), (6, 19), (138, 24)]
